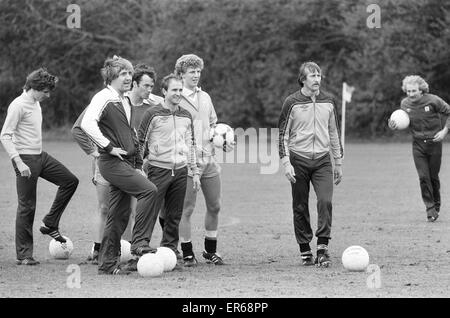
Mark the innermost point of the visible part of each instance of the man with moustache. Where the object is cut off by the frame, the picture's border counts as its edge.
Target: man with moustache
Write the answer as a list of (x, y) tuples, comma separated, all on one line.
[(108, 122), (308, 129), (429, 123)]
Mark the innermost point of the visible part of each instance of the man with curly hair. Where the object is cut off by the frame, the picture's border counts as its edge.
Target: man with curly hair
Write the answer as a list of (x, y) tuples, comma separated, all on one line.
[(21, 136), (199, 104), (429, 124)]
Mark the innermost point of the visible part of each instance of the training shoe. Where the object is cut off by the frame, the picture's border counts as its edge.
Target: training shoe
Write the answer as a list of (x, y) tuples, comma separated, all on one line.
[(141, 250), (307, 258), (432, 215), (323, 259), (53, 232), (131, 265), (93, 258), (213, 258), (189, 261), (120, 271), (27, 261), (178, 254)]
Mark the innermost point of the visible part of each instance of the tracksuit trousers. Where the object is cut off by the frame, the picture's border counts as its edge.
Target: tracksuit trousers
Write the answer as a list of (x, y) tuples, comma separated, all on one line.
[(125, 182), (427, 158), (50, 169), (319, 172), (171, 191)]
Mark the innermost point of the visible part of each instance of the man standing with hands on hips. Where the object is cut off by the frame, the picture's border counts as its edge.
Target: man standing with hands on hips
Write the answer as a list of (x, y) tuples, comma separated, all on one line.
[(108, 122), (308, 127)]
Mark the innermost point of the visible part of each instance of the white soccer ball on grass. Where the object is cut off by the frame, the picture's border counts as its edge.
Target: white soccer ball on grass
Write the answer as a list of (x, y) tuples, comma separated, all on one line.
[(150, 265), (60, 250), (168, 257), (125, 251), (355, 258)]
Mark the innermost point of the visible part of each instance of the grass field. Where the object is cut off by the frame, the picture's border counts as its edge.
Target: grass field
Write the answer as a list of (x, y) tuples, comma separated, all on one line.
[(377, 206)]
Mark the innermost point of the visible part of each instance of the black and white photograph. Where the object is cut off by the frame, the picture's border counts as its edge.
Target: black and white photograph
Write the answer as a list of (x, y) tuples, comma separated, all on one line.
[(224, 154)]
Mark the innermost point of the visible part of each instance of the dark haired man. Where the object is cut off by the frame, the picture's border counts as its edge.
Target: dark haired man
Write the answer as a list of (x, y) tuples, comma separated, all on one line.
[(308, 129), (141, 99), (21, 136)]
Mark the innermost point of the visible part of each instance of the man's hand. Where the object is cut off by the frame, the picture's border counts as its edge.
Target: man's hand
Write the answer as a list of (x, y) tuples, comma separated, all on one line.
[(440, 135), (141, 172), (118, 152), (337, 174), (23, 168), (289, 172), (196, 182), (227, 147), (95, 154), (392, 124)]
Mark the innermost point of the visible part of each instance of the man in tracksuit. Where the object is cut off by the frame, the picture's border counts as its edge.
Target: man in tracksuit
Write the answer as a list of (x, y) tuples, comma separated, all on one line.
[(429, 123), (308, 128), (108, 122), (166, 133), (141, 99)]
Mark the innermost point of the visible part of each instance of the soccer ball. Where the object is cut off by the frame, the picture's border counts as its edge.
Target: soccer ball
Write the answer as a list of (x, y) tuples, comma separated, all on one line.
[(60, 250), (168, 257), (125, 251), (355, 258), (150, 265), (221, 134), (401, 118)]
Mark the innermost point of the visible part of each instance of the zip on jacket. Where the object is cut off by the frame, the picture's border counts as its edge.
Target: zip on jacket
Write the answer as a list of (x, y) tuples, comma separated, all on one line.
[(309, 128), (106, 124), (167, 138)]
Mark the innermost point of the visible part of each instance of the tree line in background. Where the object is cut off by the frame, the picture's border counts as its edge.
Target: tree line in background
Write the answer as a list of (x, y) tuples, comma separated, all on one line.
[(252, 51)]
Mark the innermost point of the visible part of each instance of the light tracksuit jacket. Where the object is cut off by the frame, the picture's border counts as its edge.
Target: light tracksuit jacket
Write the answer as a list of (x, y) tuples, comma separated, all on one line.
[(309, 128), (168, 138)]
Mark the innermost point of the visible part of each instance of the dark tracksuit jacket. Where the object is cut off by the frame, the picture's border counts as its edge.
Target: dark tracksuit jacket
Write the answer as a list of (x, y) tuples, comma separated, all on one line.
[(80, 136), (308, 130), (107, 124), (428, 115), (169, 146)]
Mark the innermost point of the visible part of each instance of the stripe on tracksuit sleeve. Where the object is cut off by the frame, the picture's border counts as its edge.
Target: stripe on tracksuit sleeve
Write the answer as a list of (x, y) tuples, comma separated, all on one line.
[(80, 136), (190, 139), (284, 124), (145, 130), (89, 123), (335, 139)]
